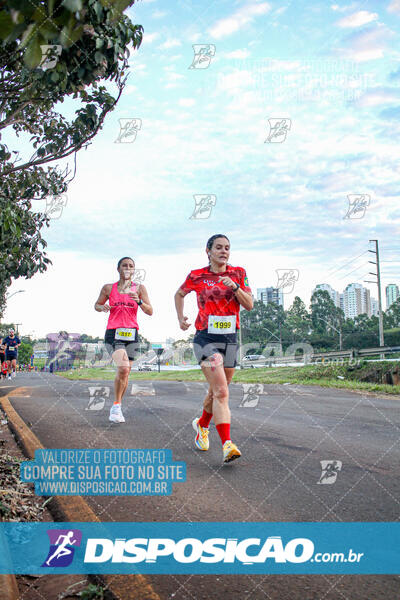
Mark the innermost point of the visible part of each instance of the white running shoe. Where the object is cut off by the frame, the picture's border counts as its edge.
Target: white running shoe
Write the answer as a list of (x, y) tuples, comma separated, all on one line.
[(14, 374), (9, 376), (116, 415)]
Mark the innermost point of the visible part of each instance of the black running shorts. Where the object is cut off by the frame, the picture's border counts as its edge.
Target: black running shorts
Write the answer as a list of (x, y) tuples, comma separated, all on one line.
[(112, 344), (206, 344), (11, 355)]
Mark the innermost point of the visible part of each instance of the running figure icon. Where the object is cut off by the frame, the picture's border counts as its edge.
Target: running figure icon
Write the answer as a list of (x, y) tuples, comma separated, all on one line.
[(62, 549)]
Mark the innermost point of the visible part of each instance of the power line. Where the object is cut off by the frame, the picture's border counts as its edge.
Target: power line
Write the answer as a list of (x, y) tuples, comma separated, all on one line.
[(347, 263), (357, 269)]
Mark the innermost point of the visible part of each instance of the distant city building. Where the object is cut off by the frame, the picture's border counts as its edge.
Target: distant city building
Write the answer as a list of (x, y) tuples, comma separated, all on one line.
[(392, 293), (270, 295), (335, 296), (356, 300), (374, 307), (169, 341)]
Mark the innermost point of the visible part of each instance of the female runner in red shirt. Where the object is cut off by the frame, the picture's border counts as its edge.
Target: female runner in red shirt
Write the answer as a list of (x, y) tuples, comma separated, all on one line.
[(122, 328), (221, 289)]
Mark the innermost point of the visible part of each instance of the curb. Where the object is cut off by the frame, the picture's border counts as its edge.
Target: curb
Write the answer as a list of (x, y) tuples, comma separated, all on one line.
[(68, 508), (8, 587)]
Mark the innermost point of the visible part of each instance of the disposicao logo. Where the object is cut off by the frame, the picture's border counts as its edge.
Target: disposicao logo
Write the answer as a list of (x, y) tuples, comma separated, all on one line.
[(190, 550), (62, 547)]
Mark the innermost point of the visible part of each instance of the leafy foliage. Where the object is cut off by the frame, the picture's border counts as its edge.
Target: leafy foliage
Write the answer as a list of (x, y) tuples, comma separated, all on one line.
[(92, 592), (24, 353), (51, 50)]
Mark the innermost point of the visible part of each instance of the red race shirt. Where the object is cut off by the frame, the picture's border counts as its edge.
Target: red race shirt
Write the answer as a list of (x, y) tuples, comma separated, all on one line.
[(213, 297)]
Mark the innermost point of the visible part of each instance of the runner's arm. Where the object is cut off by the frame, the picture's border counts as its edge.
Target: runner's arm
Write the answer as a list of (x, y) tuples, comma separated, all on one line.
[(100, 304), (244, 298), (179, 304), (145, 306)]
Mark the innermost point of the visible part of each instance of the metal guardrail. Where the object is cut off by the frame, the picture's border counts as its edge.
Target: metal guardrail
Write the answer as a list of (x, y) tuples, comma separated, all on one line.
[(353, 353), (336, 354), (378, 350)]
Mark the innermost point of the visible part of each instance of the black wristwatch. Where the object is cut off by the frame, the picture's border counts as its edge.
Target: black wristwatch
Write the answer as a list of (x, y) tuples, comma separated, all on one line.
[(237, 287), (140, 302)]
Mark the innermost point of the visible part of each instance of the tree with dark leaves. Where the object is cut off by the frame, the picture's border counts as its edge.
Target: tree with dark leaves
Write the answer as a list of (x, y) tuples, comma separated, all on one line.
[(50, 51)]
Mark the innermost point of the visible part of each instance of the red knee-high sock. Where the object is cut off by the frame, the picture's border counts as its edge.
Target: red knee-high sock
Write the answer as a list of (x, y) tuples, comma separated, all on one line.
[(224, 430), (205, 419)]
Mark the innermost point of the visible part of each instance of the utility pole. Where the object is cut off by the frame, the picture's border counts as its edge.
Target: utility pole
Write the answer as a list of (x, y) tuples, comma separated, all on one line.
[(378, 282)]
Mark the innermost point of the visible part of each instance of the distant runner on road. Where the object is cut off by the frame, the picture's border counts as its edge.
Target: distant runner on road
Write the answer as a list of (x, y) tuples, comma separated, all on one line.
[(221, 289), (2, 353), (12, 343), (121, 335)]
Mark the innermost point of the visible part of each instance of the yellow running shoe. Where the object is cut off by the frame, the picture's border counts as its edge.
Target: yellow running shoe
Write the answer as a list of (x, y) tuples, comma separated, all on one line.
[(231, 451), (201, 440)]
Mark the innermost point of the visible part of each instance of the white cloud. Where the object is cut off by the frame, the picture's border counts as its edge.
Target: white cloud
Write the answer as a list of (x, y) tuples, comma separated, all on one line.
[(369, 44), (357, 19), (194, 38), (137, 66), (150, 37), (172, 76), (159, 14), (367, 54), (186, 102), (235, 80), (273, 64), (379, 96), (129, 89), (394, 7), (238, 19), (246, 106), (171, 43), (342, 9), (238, 54)]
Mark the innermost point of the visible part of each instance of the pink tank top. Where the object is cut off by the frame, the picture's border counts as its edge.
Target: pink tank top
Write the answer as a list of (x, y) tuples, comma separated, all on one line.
[(123, 309)]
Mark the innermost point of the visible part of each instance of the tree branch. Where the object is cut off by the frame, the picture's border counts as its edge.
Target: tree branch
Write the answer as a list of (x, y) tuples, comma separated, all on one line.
[(10, 118), (71, 148)]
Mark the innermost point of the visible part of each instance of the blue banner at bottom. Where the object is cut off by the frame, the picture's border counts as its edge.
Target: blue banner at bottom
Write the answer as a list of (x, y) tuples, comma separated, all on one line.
[(196, 548)]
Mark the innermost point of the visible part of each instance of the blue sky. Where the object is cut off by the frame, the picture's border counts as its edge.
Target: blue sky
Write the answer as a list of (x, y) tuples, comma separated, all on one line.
[(331, 71)]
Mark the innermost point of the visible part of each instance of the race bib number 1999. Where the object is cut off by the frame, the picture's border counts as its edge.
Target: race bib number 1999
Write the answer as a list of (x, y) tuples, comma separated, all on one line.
[(218, 324)]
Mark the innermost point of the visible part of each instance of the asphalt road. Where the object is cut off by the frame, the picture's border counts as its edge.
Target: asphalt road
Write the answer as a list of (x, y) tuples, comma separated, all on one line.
[(283, 435)]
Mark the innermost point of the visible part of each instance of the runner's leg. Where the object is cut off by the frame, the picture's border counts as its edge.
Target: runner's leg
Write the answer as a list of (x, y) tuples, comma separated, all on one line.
[(122, 376), (219, 378), (120, 384), (215, 374), (208, 400)]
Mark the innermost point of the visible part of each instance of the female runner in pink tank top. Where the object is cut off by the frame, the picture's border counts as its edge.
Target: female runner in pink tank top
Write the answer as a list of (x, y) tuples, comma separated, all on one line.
[(121, 336)]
